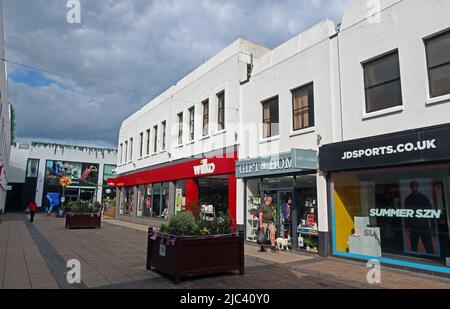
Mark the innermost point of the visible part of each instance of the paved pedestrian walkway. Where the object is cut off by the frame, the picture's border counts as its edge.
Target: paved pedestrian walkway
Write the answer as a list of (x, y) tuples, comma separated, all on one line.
[(34, 256)]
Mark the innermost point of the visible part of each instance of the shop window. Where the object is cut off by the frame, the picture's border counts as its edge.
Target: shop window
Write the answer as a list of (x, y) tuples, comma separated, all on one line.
[(191, 123), (205, 105), (155, 139), (160, 200), (253, 203), (33, 168), (221, 111), (213, 195), (163, 129), (270, 118), (126, 206), (148, 200), (140, 201), (180, 128), (303, 107), (180, 195), (382, 83), (399, 213), (438, 63)]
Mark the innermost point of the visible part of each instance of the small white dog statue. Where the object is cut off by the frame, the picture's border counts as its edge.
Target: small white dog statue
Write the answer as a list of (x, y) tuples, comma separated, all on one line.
[(283, 243)]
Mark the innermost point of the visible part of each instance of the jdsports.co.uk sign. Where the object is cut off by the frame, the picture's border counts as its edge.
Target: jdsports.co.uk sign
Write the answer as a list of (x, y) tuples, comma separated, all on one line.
[(416, 146)]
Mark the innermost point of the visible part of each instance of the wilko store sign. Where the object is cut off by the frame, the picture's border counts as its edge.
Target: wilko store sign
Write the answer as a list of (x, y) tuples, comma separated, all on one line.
[(204, 168)]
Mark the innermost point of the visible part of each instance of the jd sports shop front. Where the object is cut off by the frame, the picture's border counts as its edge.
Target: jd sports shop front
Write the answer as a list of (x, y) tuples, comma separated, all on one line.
[(390, 198), (290, 180)]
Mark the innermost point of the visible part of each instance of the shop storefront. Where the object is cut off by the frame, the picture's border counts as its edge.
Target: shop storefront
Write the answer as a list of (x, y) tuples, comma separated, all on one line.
[(159, 193), (289, 181), (84, 182), (390, 198)]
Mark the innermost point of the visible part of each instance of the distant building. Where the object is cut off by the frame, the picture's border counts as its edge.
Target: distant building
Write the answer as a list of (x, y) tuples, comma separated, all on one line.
[(5, 121), (35, 170)]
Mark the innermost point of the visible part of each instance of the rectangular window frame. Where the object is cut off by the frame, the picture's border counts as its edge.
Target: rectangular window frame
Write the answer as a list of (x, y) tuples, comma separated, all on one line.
[(180, 128), (309, 107), (163, 129), (384, 83), (269, 120), (221, 110), (155, 138), (191, 112), (141, 144), (205, 117), (431, 68)]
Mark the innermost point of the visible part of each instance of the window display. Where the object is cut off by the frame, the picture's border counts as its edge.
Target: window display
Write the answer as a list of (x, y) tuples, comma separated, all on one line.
[(213, 195), (180, 196), (401, 212), (295, 210)]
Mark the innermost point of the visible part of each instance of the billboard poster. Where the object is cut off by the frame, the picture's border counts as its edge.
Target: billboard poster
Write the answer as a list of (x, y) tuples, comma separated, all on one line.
[(81, 174)]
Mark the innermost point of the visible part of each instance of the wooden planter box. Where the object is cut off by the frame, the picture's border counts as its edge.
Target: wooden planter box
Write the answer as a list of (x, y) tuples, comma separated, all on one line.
[(189, 257), (83, 221)]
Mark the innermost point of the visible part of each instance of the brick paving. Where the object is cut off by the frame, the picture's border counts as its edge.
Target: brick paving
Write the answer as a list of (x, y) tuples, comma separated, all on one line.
[(34, 256)]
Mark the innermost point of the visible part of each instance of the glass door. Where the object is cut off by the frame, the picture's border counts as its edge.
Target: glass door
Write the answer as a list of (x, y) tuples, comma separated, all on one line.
[(285, 207)]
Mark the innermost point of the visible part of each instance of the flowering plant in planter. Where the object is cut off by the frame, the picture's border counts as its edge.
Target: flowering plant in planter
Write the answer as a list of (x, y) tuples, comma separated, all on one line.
[(189, 246), (83, 215)]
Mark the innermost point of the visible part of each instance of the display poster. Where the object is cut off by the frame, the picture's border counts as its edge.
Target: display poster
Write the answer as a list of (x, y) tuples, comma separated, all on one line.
[(420, 217), (140, 205), (81, 174), (178, 200)]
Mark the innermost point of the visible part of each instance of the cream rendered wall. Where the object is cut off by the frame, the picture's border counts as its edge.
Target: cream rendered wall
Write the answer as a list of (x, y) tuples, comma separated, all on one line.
[(308, 57), (404, 25)]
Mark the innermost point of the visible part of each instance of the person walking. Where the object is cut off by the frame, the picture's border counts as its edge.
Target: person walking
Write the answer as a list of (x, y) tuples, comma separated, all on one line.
[(32, 206)]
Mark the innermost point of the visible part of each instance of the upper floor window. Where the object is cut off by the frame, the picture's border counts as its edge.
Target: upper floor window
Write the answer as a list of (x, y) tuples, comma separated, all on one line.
[(33, 168), (303, 107), (163, 129), (382, 83), (438, 63), (270, 118), (191, 123), (148, 142), (131, 149), (141, 144), (126, 152), (155, 138), (205, 105), (121, 153), (180, 128), (221, 110)]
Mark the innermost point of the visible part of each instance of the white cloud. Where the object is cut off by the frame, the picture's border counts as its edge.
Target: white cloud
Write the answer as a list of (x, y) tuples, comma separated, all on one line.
[(139, 45)]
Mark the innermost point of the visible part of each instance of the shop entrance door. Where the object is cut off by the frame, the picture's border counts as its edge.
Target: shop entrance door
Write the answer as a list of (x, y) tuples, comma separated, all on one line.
[(285, 208)]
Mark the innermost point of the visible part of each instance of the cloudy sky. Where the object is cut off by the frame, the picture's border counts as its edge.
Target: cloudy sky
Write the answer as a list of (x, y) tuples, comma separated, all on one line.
[(124, 53)]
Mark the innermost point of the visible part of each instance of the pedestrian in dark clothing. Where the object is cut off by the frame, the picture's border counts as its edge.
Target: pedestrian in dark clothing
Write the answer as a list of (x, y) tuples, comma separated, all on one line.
[(32, 206)]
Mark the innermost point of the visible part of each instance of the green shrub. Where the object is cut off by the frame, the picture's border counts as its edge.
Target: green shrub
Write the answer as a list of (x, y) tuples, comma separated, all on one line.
[(79, 207), (182, 224), (164, 228), (221, 224)]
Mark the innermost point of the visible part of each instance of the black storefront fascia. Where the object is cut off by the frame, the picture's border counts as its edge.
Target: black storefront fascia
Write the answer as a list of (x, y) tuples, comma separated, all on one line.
[(417, 146)]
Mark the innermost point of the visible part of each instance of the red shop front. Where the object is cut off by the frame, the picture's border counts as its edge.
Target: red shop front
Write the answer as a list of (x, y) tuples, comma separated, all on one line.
[(204, 180)]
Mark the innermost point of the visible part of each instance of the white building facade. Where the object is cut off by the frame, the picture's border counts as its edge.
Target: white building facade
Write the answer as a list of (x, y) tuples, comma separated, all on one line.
[(344, 127), (36, 168), (389, 175), (5, 121)]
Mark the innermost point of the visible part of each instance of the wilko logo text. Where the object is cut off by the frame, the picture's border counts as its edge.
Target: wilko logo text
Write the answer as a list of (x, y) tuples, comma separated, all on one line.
[(204, 168)]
